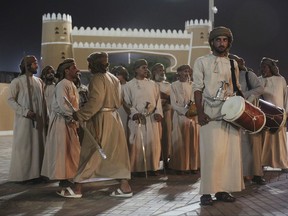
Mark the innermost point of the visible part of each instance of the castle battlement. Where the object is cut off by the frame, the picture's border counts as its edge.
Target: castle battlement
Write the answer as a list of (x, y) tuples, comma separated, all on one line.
[(130, 32), (60, 40), (53, 17), (131, 46), (197, 23)]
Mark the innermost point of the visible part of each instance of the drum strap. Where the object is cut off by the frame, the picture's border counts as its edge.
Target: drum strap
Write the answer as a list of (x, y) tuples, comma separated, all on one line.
[(247, 81), (235, 87)]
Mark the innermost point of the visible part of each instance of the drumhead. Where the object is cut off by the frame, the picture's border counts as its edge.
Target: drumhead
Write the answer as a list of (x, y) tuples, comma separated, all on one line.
[(233, 108)]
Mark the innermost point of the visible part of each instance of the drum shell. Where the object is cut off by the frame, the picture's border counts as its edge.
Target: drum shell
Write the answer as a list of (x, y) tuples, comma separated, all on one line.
[(248, 117), (275, 116)]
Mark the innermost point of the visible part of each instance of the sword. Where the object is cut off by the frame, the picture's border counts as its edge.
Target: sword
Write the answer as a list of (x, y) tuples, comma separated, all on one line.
[(143, 147), (90, 136)]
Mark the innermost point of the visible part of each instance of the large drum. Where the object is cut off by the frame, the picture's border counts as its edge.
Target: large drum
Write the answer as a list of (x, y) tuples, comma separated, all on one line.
[(243, 114), (275, 116)]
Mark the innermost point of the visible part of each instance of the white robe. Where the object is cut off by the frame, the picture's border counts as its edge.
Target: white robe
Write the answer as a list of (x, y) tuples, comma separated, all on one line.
[(166, 138), (185, 153), (48, 93), (62, 148), (136, 94), (274, 152), (220, 150), (28, 141), (104, 124), (123, 113)]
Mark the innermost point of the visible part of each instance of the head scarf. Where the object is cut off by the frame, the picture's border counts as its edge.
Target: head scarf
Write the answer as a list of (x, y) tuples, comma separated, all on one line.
[(239, 60), (98, 62), (28, 60), (272, 65), (156, 66), (45, 70), (122, 71), (67, 63), (183, 67), (220, 31), (139, 63)]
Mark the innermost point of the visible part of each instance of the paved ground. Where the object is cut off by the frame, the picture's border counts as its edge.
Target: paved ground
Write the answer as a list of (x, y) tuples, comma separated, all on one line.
[(167, 194)]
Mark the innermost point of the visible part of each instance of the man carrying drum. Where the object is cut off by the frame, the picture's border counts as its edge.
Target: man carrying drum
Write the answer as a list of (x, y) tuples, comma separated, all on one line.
[(251, 149), (274, 153), (220, 149)]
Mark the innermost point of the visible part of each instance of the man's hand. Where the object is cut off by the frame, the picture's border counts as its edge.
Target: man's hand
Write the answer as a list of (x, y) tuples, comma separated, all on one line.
[(31, 115), (203, 119), (157, 117), (137, 116)]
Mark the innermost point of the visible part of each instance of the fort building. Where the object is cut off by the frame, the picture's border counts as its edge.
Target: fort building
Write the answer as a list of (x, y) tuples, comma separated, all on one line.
[(61, 40)]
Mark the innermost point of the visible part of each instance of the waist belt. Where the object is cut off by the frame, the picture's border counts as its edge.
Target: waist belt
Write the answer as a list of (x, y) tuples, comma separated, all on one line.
[(107, 109)]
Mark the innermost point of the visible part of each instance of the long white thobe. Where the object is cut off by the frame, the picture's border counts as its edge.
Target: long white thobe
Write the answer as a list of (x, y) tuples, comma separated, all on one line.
[(185, 133), (274, 151), (62, 149), (220, 150), (28, 140), (166, 138), (144, 139)]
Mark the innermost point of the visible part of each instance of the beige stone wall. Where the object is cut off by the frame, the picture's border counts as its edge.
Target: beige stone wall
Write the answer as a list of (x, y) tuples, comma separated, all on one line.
[(6, 114), (56, 41), (179, 46)]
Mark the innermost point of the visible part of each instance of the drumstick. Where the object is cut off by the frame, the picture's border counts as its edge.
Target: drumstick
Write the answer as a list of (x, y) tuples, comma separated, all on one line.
[(217, 118)]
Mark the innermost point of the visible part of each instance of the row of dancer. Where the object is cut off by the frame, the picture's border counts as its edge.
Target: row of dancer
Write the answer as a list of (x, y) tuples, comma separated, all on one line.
[(157, 124), (59, 155), (60, 162)]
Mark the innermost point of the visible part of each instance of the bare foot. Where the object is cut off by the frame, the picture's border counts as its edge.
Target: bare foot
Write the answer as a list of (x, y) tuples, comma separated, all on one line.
[(124, 186)]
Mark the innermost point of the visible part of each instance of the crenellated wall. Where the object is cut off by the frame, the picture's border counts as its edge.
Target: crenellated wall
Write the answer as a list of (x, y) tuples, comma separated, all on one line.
[(131, 46), (180, 46), (53, 17), (130, 32)]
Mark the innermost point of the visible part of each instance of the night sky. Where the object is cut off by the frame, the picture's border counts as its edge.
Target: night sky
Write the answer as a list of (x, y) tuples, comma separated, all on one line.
[(260, 27)]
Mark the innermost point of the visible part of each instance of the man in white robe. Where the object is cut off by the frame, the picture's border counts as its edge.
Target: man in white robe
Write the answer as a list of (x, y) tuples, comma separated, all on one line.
[(102, 122), (48, 77), (29, 122), (185, 155), (123, 75), (275, 151), (252, 89), (143, 98), (220, 150), (62, 148), (159, 76)]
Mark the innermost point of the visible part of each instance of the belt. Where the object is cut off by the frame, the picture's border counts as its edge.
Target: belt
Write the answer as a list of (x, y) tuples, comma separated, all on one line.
[(105, 109)]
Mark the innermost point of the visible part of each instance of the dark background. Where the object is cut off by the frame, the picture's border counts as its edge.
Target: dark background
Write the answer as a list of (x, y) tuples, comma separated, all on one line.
[(259, 26)]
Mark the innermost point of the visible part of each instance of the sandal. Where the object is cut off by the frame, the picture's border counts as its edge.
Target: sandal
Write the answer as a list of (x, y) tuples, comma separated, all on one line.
[(120, 193), (225, 197), (68, 193), (206, 199)]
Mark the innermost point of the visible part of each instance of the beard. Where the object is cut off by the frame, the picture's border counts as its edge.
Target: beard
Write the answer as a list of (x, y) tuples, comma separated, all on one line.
[(50, 77), (221, 50), (160, 78), (32, 70)]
